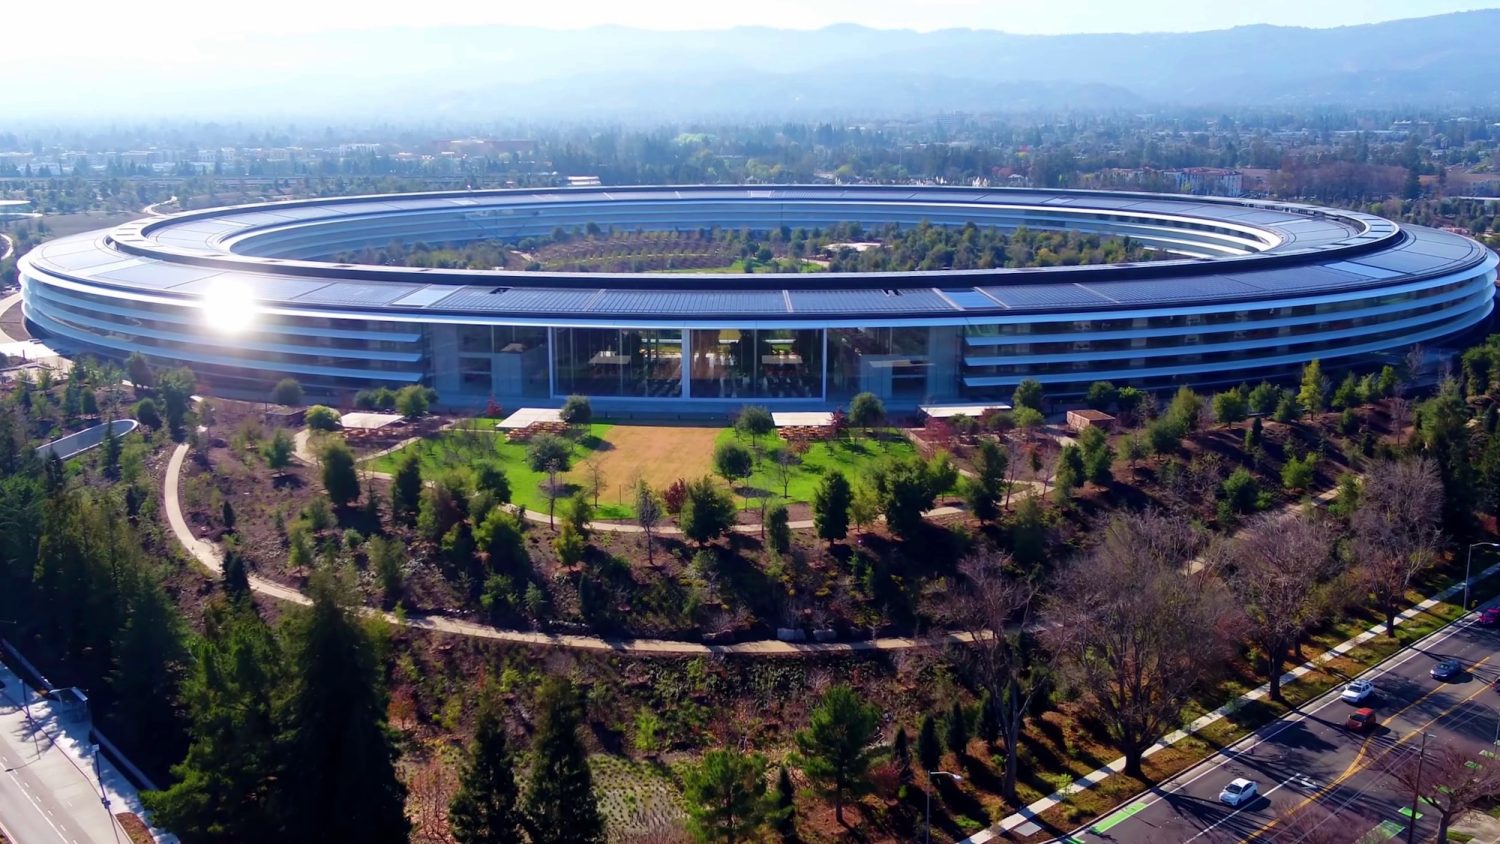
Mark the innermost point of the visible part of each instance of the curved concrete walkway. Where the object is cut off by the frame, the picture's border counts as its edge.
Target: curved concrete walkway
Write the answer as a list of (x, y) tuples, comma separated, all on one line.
[(211, 558)]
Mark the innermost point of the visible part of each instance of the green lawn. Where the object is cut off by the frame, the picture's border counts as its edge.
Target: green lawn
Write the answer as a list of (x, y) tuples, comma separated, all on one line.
[(853, 457), (476, 441)]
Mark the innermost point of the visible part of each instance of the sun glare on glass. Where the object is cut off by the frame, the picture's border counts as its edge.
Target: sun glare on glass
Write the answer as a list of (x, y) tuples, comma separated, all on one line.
[(228, 307)]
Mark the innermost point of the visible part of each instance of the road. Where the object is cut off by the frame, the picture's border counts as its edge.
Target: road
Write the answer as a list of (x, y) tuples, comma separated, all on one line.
[(45, 796), (1309, 757), (7, 246)]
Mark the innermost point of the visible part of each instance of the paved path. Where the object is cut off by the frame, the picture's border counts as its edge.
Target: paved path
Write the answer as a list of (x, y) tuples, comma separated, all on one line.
[(209, 555), (150, 210), (7, 246), (46, 795), (5, 305)]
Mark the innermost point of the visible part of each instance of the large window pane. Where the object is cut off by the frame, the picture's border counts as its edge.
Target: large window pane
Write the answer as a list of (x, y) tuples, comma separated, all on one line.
[(645, 363)]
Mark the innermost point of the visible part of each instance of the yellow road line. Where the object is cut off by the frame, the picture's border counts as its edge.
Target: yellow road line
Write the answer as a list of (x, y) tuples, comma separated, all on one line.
[(1354, 766)]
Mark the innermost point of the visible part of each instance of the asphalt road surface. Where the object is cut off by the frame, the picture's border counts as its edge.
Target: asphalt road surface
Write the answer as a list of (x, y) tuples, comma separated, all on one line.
[(1309, 757), (45, 798)]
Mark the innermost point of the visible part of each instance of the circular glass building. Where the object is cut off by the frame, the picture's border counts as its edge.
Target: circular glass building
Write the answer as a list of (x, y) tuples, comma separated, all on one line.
[(249, 295)]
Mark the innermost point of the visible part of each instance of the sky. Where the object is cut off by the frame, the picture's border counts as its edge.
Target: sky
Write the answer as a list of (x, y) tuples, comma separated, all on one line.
[(94, 23)]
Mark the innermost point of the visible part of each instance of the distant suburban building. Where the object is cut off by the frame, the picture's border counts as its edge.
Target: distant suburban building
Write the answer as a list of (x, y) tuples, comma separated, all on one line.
[(1080, 419)]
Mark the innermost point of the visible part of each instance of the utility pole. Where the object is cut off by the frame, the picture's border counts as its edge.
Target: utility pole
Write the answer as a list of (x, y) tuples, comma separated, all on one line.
[(1416, 793)]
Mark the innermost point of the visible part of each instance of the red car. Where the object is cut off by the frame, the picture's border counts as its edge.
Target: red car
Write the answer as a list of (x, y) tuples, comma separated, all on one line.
[(1490, 616), (1361, 720)]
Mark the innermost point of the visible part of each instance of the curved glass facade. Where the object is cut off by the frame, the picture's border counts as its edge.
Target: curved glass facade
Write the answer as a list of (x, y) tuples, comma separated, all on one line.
[(1353, 286)]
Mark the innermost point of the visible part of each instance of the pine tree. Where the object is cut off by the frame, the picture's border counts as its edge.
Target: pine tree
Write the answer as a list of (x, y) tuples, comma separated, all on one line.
[(484, 809), (956, 733), (225, 785), (406, 490), (560, 804), (340, 752), (726, 795), (784, 811), (236, 575), (901, 756), (226, 515), (929, 751), (835, 748)]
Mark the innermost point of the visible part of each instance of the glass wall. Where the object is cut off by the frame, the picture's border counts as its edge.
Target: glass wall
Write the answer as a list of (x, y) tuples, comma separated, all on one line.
[(503, 360), (889, 362), (645, 363), (749, 363)]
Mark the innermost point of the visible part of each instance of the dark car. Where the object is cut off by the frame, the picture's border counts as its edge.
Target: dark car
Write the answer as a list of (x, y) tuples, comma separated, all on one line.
[(1361, 720), (1489, 616), (1446, 670)]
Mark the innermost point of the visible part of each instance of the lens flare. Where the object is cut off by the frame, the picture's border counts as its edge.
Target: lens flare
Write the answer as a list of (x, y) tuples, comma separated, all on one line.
[(228, 307)]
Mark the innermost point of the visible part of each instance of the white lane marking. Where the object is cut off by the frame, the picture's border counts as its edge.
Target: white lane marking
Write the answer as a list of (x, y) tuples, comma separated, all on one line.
[(1231, 754), (1210, 828)]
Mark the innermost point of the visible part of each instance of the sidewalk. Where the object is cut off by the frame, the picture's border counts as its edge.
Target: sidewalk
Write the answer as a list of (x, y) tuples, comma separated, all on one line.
[(48, 756)]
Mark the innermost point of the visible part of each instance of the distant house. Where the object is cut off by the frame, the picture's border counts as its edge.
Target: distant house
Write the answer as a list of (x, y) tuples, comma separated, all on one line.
[(1080, 419)]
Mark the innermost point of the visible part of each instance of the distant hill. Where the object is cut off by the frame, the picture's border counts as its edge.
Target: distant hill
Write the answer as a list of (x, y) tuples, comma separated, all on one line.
[(509, 72)]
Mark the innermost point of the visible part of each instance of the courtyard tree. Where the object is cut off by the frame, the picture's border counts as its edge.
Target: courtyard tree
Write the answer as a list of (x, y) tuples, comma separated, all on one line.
[(593, 474), (1135, 632), (1263, 398), (867, 411), (500, 539), (1229, 407), (649, 512), (836, 749), (339, 477), (1396, 529), (707, 512), (733, 461), (982, 492), (831, 502), (175, 389), (908, 487), (577, 411), (553, 455), (778, 528), (1275, 569), (726, 796), (411, 401), (929, 748), (754, 422), (1028, 394), (484, 809), (138, 369), (1101, 395), (785, 463), (1098, 457), (287, 392), (406, 490), (321, 418), (1312, 394), (997, 610), (560, 805)]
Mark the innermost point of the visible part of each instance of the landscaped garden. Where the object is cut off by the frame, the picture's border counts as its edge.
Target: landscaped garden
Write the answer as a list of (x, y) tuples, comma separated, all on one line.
[(611, 458)]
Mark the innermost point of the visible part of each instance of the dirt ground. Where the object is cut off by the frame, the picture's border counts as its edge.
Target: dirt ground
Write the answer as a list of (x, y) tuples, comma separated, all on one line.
[(659, 455)]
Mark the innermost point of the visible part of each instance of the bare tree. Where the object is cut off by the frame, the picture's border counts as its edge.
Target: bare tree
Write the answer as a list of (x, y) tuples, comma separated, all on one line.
[(1276, 567), (996, 611), (1396, 529), (1136, 632), (1400, 417), (1013, 463), (594, 473), (648, 514), (786, 467), (1448, 778)]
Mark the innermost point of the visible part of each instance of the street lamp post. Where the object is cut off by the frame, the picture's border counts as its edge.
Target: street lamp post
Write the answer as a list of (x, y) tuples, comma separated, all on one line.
[(1469, 567), (927, 836)]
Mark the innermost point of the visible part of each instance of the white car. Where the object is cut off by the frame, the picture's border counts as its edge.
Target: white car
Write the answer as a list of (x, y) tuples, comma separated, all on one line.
[(1357, 691), (1238, 792)]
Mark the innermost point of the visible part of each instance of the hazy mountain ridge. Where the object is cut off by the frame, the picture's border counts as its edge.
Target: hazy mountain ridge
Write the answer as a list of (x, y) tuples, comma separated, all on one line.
[(617, 72)]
